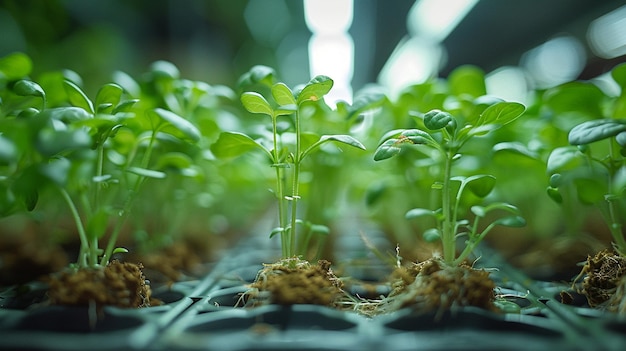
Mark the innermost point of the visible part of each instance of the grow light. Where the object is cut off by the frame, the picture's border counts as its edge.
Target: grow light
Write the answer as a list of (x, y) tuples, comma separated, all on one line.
[(557, 61), (607, 34), (331, 49), (435, 19)]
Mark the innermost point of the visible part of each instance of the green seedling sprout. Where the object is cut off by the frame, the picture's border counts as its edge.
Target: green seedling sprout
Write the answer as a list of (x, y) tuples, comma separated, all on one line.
[(447, 135), (599, 181), (89, 125), (287, 103)]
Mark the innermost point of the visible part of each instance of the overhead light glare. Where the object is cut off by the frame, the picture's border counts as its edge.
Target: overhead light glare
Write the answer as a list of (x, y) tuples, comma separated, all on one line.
[(435, 19), (607, 34)]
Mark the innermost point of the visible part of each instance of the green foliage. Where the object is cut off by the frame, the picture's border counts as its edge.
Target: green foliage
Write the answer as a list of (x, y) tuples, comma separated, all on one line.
[(286, 103), (447, 135), (74, 148)]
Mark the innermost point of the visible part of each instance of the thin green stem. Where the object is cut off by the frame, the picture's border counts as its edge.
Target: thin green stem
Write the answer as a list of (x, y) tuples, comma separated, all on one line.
[(448, 234), (125, 212), (99, 171), (295, 191), (85, 256), (284, 239)]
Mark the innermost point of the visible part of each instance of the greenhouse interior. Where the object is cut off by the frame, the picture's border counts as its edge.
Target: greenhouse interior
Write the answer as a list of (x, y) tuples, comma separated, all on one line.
[(283, 175)]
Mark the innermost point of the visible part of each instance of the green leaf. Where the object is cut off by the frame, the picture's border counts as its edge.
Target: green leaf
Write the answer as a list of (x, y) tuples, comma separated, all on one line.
[(480, 185), (8, 151), (417, 137), (579, 97), (53, 142), (370, 99), (77, 97), (555, 195), (256, 103), (277, 230), (501, 113), (67, 114), (179, 123), (503, 206), (125, 106), (344, 139), (556, 180), (283, 95), (148, 173), (233, 144), (28, 88), (127, 82), (420, 212), (176, 160), (590, 131), (258, 75), (564, 158), (315, 89), (319, 229), (16, 65), (388, 149), (590, 191), (109, 94), (511, 221), (119, 250), (618, 73), (165, 69), (516, 147), (56, 170), (431, 235), (468, 80), (436, 119)]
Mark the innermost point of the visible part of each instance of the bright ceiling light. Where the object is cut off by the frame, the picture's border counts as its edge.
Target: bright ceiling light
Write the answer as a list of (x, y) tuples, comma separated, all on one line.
[(331, 49), (435, 19), (607, 34), (556, 61), (413, 61)]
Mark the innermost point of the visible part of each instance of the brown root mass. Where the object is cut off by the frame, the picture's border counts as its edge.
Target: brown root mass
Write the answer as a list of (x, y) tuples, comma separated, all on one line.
[(293, 281), (433, 285), (117, 284), (604, 282)]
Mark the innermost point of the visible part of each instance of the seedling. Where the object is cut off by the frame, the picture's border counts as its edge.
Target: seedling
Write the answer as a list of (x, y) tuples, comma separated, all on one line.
[(448, 135), (76, 141), (598, 180), (287, 103)]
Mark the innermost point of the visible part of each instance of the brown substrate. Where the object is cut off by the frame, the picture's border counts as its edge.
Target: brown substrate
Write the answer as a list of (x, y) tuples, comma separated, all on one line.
[(169, 264), (117, 284), (604, 282), (293, 281), (433, 285), (24, 258)]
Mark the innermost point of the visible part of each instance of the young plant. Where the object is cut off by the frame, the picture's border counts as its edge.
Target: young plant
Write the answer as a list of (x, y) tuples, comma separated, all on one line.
[(599, 180), (287, 103), (76, 141), (447, 136)]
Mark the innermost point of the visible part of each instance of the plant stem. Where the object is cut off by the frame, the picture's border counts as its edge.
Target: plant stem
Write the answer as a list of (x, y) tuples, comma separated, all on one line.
[(284, 239), (125, 212), (295, 196), (448, 234), (85, 256)]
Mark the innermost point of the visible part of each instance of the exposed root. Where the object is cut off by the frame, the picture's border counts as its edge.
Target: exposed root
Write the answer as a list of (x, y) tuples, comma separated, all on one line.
[(604, 281), (433, 285), (293, 281), (118, 284)]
